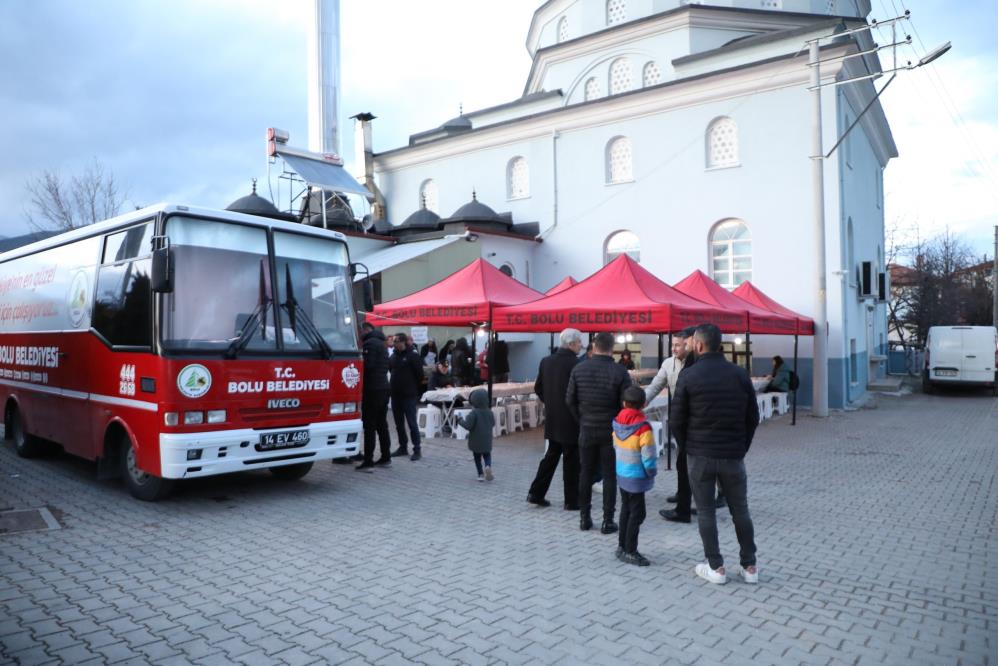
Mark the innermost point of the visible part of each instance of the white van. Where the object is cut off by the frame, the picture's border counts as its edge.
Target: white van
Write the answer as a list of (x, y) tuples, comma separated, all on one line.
[(966, 355)]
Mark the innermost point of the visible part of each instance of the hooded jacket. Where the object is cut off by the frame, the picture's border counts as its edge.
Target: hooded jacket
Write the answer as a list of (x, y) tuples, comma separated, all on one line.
[(375, 362), (634, 445), (479, 422)]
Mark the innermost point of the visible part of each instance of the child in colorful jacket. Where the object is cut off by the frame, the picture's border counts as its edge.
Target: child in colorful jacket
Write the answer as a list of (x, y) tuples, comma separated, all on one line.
[(634, 444)]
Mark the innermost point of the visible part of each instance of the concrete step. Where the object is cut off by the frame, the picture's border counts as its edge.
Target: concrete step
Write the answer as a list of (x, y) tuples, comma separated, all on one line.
[(886, 384)]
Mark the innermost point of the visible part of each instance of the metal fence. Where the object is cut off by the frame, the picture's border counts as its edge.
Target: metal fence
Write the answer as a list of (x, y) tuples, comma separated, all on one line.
[(905, 361)]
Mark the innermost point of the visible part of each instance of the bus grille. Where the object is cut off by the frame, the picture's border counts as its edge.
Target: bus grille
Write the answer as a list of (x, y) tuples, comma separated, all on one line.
[(303, 413)]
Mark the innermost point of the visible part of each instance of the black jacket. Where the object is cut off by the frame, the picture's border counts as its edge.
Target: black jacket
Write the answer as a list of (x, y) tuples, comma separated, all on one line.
[(550, 387), (714, 411), (407, 373), (375, 362), (595, 395)]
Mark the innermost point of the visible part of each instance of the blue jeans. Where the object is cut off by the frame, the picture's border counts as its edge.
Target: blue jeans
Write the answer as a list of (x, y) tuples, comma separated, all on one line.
[(479, 457), (404, 411), (729, 473)]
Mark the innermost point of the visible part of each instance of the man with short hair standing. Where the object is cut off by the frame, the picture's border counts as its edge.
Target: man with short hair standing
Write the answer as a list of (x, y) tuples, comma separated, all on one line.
[(714, 416), (594, 396), (407, 375), (560, 428)]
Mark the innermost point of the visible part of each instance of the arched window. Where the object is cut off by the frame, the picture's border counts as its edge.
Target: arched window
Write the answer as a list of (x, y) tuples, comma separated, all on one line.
[(507, 268), (619, 167), (731, 253), (621, 242), (428, 195), (616, 11), (651, 74), (592, 89), (562, 29), (620, 76), (517, 178), (722, 143)]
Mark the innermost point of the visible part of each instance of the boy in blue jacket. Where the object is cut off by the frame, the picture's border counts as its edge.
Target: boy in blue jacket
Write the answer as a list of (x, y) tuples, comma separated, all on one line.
[(634, 445)]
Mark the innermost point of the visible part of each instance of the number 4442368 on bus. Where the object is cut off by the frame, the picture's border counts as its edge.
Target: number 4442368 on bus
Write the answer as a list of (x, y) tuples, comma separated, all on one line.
[(174, 342)]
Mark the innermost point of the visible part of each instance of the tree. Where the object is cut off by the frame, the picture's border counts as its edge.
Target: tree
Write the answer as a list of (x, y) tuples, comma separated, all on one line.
[(62, 205)]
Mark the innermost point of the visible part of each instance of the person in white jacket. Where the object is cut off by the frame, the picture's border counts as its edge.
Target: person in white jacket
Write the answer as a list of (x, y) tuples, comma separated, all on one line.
[(669, 372)]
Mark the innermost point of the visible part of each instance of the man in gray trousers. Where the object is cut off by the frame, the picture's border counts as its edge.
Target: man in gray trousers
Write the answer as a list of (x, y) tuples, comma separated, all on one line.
[(714, 415)]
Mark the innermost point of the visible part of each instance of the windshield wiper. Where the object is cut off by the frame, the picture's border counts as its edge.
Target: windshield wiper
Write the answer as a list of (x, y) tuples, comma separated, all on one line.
[(296, 312), (257, 319)]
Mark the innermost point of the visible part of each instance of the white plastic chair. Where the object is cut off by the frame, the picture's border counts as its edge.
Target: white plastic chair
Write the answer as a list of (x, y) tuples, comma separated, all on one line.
[(531, 410), (514, 416), (765, 407), (430, 421), (459, 432), (780, 402), (500, 427), (657, 431)]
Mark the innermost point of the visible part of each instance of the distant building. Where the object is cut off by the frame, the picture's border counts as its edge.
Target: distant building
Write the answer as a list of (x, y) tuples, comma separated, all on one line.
[(679, 133)]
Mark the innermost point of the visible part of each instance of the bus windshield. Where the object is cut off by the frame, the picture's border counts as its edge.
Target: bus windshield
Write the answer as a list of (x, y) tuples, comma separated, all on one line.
[(223, 298)]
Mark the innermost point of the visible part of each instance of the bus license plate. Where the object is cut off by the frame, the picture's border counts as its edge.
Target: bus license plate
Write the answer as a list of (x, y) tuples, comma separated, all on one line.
[(287, 439)]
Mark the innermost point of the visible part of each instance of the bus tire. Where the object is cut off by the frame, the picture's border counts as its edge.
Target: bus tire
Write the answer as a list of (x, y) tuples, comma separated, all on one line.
[(291, 472), (26, 445), (142, 486)]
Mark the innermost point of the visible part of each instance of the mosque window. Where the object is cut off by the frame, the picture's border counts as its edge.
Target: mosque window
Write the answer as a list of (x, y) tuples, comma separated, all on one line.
[(616, 11), (731, 253), (651, 74), (622, 242), (722, 143), (517, 178), (592, 89), (619, 168), (428, 195), (562, 29), (620, 76)]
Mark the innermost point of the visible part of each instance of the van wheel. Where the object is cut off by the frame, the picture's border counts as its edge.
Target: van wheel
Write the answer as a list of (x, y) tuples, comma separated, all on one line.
[(291, 472), (26, 445), (926, 384), (145, 487)]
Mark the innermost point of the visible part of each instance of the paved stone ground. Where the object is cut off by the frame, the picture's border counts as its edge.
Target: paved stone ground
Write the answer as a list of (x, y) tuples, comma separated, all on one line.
[(876, 532)]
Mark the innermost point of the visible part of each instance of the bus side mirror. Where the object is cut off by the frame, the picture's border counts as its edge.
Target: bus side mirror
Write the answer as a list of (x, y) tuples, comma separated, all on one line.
[(162, 270)]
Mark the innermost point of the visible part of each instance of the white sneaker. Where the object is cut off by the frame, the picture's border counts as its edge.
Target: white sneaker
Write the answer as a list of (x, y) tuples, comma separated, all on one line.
[(710, 575), (749, 576), (488, 474), (598, 487), (481, 478)]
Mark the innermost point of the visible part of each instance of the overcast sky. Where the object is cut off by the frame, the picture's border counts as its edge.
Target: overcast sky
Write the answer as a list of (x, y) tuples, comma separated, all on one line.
[(174, 97)]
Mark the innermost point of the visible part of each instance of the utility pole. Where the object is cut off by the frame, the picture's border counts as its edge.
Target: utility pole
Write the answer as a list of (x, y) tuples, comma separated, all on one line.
[(819, 403), (994, 284)]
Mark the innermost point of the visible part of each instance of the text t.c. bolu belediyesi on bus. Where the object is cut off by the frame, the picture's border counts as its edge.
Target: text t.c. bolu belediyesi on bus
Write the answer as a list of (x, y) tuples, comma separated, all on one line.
[(176, 342)]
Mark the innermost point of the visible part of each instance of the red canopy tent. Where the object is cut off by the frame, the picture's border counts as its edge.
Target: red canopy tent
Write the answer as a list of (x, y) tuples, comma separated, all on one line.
[(562, 286), (749, 292), (464, 298), (758, 320), (622, 296)]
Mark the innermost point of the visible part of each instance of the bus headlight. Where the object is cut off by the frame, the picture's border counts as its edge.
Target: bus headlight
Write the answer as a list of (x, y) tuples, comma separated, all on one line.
[(350, 407), (171, 418), (336, 408), (216, 416), (193, 418)]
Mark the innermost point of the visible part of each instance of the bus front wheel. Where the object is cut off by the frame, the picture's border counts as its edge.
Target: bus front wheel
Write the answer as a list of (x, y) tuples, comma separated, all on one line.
[(141, 485), (25, 444), (291, 472)]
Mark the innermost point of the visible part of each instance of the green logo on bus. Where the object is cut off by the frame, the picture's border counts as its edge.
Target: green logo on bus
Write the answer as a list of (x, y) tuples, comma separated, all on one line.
[(194, 380)]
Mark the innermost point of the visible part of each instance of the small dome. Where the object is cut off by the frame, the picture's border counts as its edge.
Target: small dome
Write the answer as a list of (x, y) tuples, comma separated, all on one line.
[(459, 124), (424, 218), (254, 204), (474, 211)]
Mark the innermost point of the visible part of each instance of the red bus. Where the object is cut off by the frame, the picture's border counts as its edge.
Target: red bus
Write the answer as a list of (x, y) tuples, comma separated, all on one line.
[(175, 342)]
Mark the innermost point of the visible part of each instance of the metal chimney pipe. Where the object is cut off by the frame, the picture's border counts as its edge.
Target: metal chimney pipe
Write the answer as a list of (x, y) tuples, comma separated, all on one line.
[(324, 77)]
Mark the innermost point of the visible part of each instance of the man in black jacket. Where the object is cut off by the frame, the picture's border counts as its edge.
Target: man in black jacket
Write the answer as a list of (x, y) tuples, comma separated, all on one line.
[(407, 375), (374, 407), (714, 415), (594, 396), (560, 427)]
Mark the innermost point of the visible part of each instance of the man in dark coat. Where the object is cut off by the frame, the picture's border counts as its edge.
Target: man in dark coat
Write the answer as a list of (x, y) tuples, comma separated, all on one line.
[(560, 427), (407, 375), (594, 396), (374, 407), (714, 415)]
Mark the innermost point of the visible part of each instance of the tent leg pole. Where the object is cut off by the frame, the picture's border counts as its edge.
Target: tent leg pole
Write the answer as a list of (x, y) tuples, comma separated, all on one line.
[(661, 360), (492, 360), (551, 346), (474, 355), (668, 431), (748, 352), (793, 420)]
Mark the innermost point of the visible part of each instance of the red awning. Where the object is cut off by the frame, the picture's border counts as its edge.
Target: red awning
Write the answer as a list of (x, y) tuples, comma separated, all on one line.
[(562, 286), (463, 298), (755, 319), (620, 297), (749, 292)]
